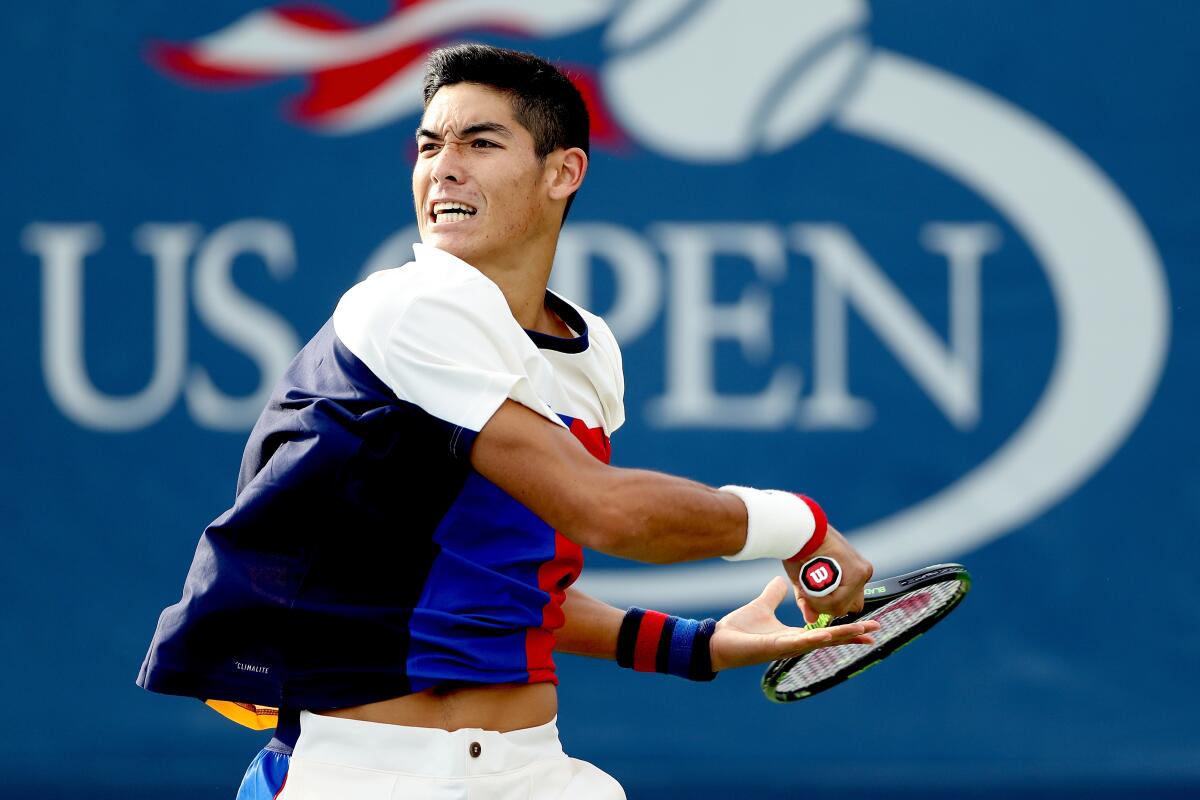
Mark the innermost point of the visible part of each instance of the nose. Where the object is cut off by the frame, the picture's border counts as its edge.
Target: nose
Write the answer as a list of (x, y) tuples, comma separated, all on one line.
[(448, 166)]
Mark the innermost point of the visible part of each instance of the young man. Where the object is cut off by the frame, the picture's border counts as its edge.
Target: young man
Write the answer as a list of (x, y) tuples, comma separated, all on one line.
[(397, 566)]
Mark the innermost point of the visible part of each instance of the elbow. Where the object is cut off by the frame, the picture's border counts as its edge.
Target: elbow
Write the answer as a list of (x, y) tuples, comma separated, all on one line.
[(603, 524), (611, 530)]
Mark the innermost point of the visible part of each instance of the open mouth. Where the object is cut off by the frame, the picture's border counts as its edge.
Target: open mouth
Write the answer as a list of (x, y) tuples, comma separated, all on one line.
[(452, 212)]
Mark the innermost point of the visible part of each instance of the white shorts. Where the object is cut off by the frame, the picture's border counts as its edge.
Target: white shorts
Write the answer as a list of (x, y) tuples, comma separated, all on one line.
[(344, 759)]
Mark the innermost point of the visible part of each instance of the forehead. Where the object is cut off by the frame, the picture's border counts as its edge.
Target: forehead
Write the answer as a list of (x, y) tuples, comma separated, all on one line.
[(455, 107)]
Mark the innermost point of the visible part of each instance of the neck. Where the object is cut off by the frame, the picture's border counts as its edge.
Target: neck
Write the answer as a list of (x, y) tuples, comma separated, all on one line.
[(525, 290), (523, 282)]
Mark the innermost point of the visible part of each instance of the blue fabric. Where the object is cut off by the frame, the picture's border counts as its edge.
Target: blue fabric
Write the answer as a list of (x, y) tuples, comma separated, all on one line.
[(363, 557), (265, 776), (481, 595), (358, 524), (683, 640)]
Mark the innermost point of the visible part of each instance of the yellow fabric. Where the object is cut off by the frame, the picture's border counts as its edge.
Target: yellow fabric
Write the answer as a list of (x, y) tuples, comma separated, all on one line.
[(259, 718)]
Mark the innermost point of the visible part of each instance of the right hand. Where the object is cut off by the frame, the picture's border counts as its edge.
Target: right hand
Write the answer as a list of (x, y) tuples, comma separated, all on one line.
[(856, 571)]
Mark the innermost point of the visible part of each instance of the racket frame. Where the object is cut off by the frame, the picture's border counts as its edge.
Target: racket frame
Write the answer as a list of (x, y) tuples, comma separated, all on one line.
[(876, 595)]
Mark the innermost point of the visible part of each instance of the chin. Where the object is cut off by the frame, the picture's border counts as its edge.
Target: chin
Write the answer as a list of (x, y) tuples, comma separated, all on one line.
[(458, 246)]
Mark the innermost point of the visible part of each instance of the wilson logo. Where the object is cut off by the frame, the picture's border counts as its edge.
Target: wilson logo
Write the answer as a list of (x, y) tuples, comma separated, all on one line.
[(819, 576)]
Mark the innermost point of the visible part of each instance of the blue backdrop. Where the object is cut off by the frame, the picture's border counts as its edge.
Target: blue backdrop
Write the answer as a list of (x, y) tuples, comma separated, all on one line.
[(931, 262)]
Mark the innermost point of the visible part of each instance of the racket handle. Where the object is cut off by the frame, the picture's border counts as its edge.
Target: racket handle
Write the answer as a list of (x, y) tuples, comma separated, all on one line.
[(820, 576)]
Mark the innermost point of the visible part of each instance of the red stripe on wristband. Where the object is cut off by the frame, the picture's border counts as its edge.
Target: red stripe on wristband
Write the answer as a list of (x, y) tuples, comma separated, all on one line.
[(818, 538), (645, 652)]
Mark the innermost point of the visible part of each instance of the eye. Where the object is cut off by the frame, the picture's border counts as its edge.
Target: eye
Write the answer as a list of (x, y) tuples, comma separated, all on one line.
[(427, 147), (481, 143)]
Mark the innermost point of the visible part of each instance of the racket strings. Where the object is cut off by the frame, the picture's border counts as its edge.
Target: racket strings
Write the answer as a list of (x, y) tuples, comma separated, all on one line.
[(895, 619)]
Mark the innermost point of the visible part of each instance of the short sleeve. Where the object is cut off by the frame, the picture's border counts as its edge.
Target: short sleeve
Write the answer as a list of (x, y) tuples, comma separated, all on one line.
[(454, 350), (610, 385)]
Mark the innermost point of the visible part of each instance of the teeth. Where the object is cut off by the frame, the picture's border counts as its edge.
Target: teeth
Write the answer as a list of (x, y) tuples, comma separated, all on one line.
[(451, 216), (453, 208)]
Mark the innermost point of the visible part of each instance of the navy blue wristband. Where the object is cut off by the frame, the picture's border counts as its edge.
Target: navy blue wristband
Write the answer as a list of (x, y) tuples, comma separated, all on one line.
[(650, 641)]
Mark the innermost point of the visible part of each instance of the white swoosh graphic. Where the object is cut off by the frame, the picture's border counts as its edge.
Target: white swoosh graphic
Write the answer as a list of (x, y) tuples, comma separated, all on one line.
[(264, 41)]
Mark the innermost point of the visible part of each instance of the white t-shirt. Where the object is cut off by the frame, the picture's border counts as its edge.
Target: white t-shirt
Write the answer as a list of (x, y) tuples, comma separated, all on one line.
[(440, 334)]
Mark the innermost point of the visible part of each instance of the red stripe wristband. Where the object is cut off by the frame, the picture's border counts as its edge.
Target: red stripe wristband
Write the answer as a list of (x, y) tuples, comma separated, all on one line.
[(779, 524), (818, 538)]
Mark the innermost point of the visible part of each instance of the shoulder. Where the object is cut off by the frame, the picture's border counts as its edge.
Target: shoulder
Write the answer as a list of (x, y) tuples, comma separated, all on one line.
[(604, 369), (435, 285), (602, 335), (601, 340)]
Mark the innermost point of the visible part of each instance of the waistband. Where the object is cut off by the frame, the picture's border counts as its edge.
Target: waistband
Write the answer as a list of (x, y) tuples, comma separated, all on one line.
[(431, 752)]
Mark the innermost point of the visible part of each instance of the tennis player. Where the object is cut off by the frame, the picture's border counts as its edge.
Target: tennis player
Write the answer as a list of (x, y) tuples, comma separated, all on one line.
[(394, 575)]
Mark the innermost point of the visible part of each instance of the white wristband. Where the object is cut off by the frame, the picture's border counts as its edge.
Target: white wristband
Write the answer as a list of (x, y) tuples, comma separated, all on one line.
[(778, 523)]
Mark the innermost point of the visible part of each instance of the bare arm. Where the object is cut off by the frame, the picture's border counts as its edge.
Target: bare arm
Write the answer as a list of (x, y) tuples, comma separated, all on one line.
[(631, 513), (591, 627)]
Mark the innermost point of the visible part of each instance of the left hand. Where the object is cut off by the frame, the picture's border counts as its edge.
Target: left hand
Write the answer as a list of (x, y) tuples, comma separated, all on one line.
[(754, 635)]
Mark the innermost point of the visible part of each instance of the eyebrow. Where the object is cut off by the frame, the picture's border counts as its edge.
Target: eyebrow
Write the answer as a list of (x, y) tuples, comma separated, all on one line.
[(470, 130)]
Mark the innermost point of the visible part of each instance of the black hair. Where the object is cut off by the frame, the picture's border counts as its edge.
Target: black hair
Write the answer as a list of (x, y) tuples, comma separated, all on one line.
[(544, 100)]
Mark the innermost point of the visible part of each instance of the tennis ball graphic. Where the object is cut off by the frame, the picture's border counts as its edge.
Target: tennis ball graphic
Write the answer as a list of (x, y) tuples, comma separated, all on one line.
[(730, 79)]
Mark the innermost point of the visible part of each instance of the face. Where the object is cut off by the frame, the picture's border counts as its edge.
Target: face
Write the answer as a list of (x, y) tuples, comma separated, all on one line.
[(479, 188)]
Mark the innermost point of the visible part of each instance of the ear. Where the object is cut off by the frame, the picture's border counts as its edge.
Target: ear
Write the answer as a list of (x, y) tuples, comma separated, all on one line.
[(565, 170)]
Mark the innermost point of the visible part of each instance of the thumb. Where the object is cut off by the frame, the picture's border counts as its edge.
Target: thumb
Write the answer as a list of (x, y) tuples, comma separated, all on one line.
[(773, 594)]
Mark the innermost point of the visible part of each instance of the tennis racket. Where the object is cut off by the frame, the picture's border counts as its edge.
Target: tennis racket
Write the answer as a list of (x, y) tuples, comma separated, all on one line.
[(904, 606)]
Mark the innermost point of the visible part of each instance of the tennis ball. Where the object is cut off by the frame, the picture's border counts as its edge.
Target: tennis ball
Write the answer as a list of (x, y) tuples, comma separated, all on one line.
[(730, 79)]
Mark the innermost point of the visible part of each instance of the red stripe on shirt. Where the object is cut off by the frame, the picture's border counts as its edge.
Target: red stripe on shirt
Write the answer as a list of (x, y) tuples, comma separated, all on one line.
[(553, 578), (556, 575), (593, 439)]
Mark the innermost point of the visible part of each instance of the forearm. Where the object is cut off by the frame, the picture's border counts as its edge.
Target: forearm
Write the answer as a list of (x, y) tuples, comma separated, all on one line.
[(645, 641), (591, 627), (636, 514), (659, 518)]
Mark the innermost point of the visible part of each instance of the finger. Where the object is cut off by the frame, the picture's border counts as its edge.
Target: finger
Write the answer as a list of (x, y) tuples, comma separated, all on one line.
[(787, 650), (852, 629), (840, 633), (853, 602), (801, 641), (844, 601), (811, 615)]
